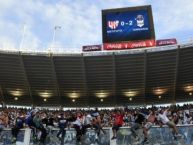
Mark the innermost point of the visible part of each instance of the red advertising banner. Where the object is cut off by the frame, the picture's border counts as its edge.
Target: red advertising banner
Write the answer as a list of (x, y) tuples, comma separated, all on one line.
[(128, 45), (166, 42), (92, 48)]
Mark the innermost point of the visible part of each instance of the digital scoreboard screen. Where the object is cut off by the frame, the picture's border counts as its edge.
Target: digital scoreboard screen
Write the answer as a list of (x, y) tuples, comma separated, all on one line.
[(127, 24)]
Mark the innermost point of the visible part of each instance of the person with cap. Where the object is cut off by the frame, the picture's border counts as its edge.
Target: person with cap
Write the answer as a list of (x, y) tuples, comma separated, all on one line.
[(139, 120), (97, 122), (164, 120), (62, 124), (29, 122)]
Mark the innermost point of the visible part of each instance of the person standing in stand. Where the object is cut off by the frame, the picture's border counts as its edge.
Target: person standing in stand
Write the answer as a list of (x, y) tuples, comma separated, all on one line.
[(97, 122), (151, 119), (87, 122), (18, 124), (62, 124), (77, 125), (37, 120), (117, 123), (4, 120), (139, 120)]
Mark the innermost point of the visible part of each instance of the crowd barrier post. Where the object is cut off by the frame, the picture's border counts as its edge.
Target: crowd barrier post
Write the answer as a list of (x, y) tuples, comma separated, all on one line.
[(27, 136)]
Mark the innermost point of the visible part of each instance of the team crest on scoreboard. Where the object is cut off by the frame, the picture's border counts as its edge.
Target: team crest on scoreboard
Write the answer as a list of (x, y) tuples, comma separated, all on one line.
[(113, 24), (140, 20)]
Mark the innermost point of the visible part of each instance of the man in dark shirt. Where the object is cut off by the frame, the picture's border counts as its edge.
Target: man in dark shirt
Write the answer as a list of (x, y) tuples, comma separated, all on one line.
[(139, 119), (62, 124), (51, 121), (19, 121), (50, 124), (37, 120)]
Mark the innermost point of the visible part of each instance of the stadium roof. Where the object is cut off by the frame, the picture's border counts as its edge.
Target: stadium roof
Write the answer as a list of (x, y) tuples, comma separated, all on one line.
[(145, 76)]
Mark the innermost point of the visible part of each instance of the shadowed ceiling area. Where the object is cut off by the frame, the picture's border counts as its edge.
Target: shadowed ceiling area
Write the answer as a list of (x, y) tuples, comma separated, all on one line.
[(146, 76)]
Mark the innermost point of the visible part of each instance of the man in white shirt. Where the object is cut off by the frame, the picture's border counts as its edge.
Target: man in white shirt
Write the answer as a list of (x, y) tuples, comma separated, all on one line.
[(187, 117), (87, 120), (77, 125), (163, 119)]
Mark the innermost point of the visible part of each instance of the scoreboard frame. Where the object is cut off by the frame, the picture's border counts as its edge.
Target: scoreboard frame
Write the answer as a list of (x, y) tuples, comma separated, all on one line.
[(127, 9)]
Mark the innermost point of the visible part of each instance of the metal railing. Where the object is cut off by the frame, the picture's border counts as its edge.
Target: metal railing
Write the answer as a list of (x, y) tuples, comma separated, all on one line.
[(156, 135)]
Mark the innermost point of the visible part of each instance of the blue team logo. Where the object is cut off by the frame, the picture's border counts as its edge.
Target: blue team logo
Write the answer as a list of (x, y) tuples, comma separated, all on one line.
[(140, 21), (113, 24)]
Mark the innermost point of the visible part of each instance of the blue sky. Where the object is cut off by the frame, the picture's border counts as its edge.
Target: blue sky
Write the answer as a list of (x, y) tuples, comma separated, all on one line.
[(80, 22)]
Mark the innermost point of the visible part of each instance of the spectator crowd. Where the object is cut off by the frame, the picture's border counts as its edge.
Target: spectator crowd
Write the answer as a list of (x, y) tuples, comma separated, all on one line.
[(43, 120)]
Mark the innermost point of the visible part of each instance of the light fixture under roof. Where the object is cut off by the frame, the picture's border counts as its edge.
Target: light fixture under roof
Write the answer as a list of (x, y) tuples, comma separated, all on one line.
[(159, 91), (45, 99), (129, 93), (102, 94), (130, 99), (190, 93), (101, 100), (16, 93), (74, 95), (159, 97), (45, 94), (188, 88)]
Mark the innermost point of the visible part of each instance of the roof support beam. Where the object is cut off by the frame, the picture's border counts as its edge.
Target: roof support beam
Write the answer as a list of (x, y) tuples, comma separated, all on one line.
[(145, 75), (60, 101), (114, 79), (85, 80), (176, 75), (26, 78), (2, 96)]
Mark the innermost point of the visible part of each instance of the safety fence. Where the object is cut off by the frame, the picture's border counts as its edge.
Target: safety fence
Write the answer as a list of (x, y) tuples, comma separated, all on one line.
[(157, 136)]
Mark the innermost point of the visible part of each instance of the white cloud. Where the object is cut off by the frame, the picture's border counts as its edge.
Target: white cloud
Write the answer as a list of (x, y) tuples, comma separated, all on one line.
[(7, 44), (31, 42), (173, 16), (9, 34), (80, 21), (12, 18)]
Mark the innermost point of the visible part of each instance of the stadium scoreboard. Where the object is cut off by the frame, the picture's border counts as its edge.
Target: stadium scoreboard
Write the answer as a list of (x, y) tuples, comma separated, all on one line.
[(133, 24)]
